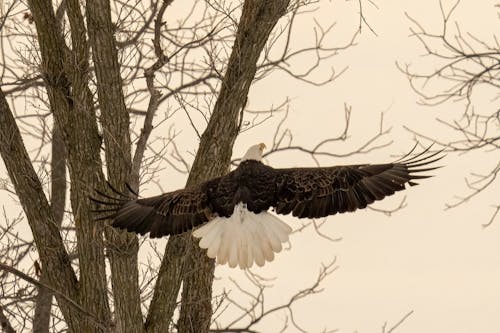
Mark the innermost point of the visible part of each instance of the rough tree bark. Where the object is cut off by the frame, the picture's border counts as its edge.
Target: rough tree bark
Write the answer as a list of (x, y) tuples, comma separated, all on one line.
[(43, 303), (122, 246), (65, 77), (212, 159), (50, 247)]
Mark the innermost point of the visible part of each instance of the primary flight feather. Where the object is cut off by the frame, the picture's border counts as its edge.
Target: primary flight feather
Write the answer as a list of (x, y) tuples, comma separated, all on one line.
[(230, 216)]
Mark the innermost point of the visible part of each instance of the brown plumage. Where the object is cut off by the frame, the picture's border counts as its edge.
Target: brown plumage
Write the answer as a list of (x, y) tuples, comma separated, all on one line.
[(303, 192)]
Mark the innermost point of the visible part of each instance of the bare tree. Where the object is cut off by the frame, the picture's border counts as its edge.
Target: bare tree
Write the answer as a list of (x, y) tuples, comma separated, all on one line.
[(468, 73), (85, 84)]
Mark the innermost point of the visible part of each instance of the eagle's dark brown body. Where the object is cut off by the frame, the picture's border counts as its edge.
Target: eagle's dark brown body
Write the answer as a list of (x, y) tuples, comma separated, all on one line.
[(251, 183)]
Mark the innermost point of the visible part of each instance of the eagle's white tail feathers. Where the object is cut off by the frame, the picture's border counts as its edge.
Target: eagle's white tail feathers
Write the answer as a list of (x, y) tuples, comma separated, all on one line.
[(243, 238), (212, 238), (210, 230)]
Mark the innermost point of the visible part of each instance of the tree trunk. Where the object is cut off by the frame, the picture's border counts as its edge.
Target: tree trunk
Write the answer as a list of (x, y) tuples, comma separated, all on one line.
[(43, 303), (53, 255), (122, 246), (213, 159), (65, 75)]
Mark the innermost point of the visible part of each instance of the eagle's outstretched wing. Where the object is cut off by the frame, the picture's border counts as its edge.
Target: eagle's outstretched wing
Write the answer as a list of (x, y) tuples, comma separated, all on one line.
[(304, 192), (166, 214), (319, 192)]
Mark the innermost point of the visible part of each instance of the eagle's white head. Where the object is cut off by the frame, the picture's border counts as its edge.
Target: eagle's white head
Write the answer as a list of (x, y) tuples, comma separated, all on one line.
[(254, 152)]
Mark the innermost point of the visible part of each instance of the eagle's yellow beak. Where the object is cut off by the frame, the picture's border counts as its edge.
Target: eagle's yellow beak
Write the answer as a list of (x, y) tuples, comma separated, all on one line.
[(262, 146)]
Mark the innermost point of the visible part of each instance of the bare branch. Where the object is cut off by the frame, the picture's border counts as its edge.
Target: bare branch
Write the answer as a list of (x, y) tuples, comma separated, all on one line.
[(69, 300), (467, 67), (396, 325), (5, 323), (154, 100), (369, 145), (257, 311)]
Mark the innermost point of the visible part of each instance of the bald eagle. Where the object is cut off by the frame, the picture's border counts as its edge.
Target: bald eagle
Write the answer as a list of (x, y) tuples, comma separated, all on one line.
[(230, 214)]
